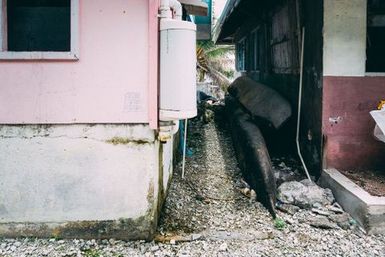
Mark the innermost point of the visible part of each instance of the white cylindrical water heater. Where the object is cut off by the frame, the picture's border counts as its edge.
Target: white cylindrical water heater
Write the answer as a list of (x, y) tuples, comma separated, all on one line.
[(177, 70)]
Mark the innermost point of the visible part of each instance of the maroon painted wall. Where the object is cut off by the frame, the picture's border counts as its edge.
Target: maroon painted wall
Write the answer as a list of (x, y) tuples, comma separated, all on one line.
[(347, 124)]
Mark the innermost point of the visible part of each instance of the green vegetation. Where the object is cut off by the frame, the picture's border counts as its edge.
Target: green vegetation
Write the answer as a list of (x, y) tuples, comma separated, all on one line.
[(92, 253), (215, 62), (279, 224), (125, 141)]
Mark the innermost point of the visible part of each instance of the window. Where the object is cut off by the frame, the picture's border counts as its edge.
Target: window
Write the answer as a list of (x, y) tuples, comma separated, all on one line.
[(251, 52), (241, 55), (284, 42), (375, 50), (254, 51), (38, 29), (248, 52)]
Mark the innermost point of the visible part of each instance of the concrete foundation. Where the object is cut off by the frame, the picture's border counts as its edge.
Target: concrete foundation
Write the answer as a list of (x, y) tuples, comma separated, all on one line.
[(367, 210), (83, 181)]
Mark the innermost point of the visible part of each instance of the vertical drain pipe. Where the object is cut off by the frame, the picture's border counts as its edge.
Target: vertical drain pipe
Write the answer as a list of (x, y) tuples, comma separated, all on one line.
[(184, 148), (300, 104), (172, 9)]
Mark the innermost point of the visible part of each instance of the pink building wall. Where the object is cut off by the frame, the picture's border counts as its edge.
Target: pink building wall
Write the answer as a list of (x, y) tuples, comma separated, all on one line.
[(114, 80)]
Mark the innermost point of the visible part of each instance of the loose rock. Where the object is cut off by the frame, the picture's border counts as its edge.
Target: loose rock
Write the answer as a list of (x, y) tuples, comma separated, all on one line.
[(321, 222), (223, 247), (304, 194), (320, 212), (336, 208), (342, 220), (287, 208)]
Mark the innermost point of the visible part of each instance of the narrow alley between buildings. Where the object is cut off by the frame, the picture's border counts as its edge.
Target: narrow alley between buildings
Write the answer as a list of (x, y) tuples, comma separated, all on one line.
[(212, 213)]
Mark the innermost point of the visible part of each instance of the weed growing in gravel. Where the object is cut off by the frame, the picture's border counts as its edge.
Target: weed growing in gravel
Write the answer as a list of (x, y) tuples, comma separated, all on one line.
[(279, 224), (92, 253)]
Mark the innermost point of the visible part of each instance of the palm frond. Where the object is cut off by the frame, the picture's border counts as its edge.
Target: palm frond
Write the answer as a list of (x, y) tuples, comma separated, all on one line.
[(219, 51), (214, 62)]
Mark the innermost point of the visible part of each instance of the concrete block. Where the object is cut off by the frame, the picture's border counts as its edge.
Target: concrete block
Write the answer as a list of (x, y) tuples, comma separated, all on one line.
[(83, 181), (367, 210)]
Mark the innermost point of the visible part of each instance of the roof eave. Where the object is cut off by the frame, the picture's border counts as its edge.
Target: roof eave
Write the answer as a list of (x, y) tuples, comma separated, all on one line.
[(227, 11)]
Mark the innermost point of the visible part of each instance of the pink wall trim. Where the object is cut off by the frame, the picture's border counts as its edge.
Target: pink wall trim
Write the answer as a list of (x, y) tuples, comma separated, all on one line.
[(153, 62), (347, 124)]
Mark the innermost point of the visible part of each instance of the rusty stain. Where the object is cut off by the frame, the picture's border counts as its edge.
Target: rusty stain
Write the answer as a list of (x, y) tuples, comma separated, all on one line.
[(150, 194)]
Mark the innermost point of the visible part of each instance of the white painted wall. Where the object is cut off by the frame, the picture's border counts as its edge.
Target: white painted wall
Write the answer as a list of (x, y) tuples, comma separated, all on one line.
[(344, 37), (167, 163), (71, 173)]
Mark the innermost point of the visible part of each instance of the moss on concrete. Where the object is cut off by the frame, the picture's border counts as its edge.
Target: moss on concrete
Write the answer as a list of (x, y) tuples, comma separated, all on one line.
[(125, 141), (123, 229), (142, 228)]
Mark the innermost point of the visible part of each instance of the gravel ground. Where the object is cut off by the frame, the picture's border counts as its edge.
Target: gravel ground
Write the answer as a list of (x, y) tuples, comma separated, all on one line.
[(207, 215)]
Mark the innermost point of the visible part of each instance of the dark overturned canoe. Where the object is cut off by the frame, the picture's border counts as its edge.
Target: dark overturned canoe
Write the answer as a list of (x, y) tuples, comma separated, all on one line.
[(261, 101), (252, 154)]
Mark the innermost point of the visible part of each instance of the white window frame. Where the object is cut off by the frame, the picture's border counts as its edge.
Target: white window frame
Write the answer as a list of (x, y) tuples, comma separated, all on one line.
[(73, 54)]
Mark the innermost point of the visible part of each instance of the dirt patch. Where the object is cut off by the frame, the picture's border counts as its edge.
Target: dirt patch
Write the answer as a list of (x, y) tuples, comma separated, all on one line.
[(372, 182)]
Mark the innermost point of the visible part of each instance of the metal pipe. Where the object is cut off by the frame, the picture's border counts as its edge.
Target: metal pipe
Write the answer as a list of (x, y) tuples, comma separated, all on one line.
[(171, 9), (300, 104), (176, 8), (165, 11), (184, 148)]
